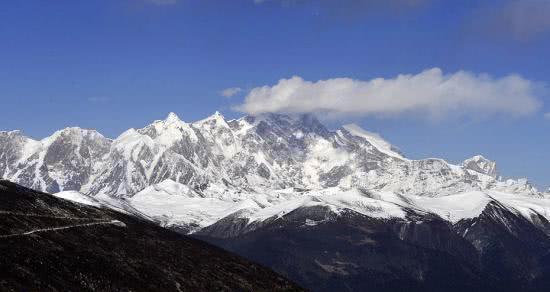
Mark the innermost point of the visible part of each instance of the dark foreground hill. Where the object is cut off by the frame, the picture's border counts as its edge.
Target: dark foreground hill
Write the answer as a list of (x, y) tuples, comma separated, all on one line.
[(49, 244), (498, 251)]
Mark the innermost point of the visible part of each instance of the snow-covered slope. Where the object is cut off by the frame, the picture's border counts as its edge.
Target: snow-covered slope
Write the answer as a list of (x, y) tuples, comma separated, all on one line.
[(64, 161), (374, 139), (78, 197), (176, 205), (254, 168)]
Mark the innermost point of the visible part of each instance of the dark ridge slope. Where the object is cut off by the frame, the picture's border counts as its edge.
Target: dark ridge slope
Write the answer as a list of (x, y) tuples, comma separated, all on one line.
[(353, 252), (49, 244), (499, 251)]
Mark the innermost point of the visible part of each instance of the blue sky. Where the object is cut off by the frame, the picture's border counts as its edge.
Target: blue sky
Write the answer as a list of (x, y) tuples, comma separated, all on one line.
[(116, 64)]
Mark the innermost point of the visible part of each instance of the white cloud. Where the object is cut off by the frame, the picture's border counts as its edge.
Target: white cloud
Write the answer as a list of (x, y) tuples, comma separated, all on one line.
[(429, 93), (229, 92), (547, 116)]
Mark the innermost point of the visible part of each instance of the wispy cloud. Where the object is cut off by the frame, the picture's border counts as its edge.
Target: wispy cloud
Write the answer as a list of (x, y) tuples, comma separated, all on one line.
[(547, 116), (98, 99), (429, 93), (163, 2), (516, 19), (229, 92), (351, 8)]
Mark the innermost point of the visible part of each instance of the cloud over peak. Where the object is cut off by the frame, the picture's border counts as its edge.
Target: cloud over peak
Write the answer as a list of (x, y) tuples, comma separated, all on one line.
[(430, 92)]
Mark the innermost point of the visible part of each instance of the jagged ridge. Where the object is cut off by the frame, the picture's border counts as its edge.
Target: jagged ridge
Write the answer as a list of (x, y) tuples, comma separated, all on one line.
[(251, 167)]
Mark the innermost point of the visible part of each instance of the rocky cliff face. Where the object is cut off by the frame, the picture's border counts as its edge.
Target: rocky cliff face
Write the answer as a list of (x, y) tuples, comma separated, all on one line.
[(64, 161), (480, 164)]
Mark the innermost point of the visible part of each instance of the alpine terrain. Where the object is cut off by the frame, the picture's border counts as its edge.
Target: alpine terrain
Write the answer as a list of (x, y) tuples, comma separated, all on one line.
[(333, 210)]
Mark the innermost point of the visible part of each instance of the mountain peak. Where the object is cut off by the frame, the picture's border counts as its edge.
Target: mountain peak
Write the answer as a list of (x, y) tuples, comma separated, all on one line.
[(374, 139), (11, 133), (216, 118), (172, 117), (74, 134), (306, 123), (77, 131), (217, 115), (481, 164)]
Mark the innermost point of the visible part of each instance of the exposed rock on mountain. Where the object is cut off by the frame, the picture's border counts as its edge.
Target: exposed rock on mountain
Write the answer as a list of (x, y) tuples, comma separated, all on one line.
[(251, 153), (479, 164), (67, 160)]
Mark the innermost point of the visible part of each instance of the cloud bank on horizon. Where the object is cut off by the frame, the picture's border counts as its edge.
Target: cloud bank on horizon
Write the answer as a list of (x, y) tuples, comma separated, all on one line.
[(429, 93)]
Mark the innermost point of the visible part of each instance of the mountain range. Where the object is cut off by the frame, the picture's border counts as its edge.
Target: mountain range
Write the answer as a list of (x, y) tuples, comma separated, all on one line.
[(333, 210)]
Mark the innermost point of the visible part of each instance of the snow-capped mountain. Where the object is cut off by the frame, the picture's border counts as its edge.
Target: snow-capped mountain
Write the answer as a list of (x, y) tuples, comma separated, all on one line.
[(336, 195), (193, 174), (66, 160), (252, 153)]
